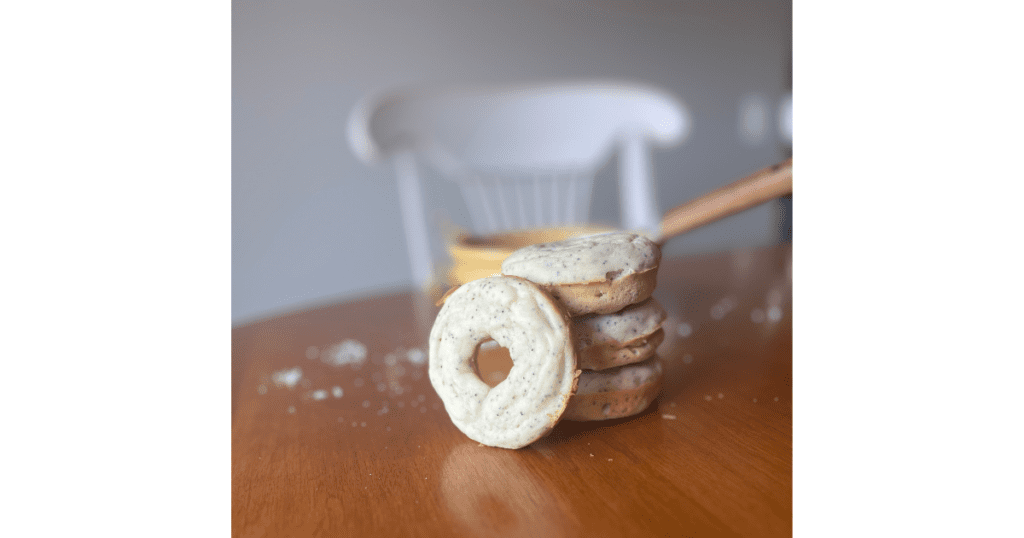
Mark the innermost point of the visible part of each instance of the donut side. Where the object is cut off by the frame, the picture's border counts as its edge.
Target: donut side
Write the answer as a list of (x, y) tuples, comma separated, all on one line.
[(604, 355), (618, 393), (605, 296), (624, 337)]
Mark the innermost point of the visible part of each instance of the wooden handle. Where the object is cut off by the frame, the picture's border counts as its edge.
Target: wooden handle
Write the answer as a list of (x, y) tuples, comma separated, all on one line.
[(761, 186)]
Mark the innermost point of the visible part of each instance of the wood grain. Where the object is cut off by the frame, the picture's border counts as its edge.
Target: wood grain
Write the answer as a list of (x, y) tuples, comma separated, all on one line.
[(711, 457)]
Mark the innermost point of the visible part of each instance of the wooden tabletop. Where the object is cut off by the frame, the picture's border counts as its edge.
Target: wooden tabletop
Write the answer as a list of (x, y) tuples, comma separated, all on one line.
[(336, 430)]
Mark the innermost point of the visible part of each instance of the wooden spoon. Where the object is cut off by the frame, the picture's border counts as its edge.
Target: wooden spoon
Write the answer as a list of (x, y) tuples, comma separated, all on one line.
[(760, 187)]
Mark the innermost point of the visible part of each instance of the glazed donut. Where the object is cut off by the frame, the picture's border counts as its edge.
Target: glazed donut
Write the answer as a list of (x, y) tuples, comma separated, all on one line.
[(624, 337), (594, 274), (534, 328), (615, 393)]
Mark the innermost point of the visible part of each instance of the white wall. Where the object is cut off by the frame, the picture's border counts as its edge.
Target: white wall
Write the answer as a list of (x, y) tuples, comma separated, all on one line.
[(311, 224)]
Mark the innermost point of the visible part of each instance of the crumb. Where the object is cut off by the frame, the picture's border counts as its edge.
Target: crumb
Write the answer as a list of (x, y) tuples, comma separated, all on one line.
[(416, 356), (287, 378), (669, 417), (348, 352)]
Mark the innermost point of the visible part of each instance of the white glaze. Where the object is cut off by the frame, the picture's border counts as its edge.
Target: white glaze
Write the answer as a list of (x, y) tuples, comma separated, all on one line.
[(591, 258), (524, 320)]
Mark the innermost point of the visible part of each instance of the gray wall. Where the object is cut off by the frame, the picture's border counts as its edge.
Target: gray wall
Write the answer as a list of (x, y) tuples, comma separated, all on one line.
[(311, 224)]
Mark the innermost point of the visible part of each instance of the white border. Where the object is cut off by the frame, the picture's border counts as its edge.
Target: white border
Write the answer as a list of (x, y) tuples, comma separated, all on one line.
[(116, 219)]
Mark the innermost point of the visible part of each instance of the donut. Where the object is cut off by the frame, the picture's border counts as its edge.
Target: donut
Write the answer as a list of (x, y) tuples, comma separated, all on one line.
[(624, 337), (599, 274), (617, 392), (535, 329)]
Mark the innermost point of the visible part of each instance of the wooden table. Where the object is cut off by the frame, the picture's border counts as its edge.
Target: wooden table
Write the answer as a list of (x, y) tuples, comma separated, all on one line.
[(360, 444)]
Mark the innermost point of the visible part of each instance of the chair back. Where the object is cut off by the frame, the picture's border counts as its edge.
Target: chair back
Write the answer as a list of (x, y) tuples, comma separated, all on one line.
[(523, 156)]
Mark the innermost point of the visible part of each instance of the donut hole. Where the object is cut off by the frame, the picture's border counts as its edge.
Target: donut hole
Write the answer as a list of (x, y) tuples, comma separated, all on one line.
[(493, 362)]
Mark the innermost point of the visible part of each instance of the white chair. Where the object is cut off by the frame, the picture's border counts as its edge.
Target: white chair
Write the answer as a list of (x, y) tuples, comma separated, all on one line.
[(524, 156)]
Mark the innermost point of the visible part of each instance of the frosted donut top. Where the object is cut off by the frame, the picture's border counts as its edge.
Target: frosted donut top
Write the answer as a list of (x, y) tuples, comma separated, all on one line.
[(591, 258)]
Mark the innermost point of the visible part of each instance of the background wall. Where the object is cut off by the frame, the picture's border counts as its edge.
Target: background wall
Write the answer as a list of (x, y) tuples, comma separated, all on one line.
[(311, 224)]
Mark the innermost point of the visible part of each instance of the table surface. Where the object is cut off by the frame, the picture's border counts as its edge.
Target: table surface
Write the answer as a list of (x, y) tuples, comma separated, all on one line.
[(336, 430)]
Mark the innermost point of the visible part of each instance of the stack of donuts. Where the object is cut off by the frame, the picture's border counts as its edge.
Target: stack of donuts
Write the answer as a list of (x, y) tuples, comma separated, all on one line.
[(580, 325)]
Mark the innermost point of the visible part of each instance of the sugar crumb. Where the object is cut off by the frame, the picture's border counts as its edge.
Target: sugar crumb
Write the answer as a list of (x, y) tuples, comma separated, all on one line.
[(416, 356), (287, 378), (347, 352)]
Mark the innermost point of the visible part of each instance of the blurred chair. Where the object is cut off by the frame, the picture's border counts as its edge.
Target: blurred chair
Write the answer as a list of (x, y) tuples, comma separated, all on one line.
[(524, 156)]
